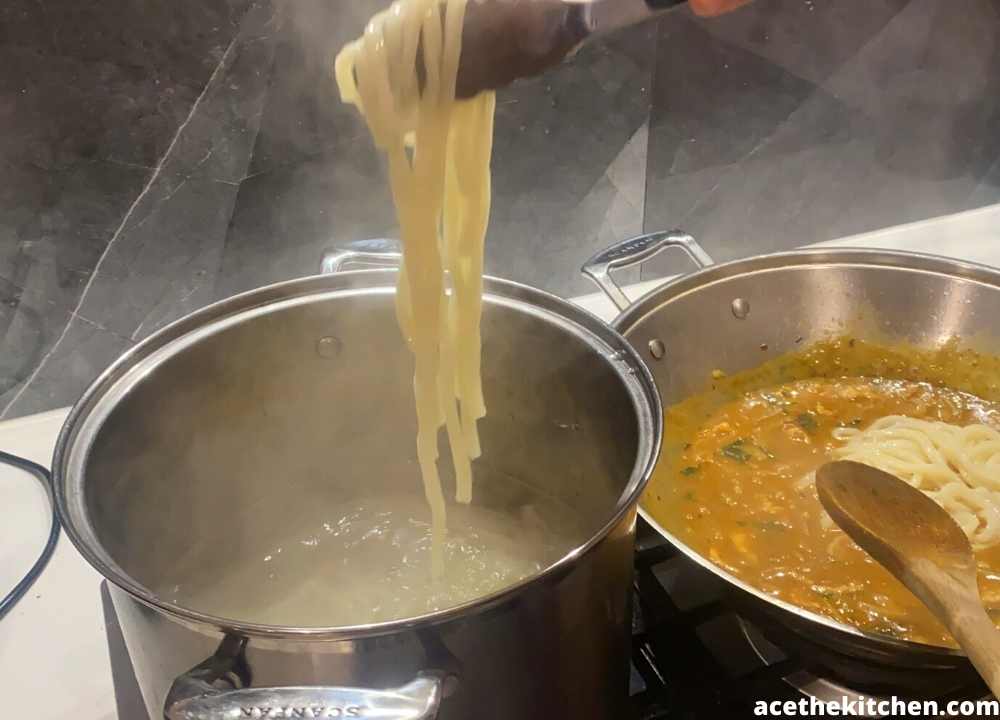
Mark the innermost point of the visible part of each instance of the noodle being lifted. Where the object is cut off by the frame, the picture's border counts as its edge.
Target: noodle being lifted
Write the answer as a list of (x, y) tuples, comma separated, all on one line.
[(438, 151)]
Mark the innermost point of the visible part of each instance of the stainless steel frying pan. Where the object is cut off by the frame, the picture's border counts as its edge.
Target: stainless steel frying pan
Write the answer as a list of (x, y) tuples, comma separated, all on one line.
[(737, 315)]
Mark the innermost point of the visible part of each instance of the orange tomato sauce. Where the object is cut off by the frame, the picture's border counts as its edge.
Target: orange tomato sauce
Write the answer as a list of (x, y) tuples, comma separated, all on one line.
[(735, 480)]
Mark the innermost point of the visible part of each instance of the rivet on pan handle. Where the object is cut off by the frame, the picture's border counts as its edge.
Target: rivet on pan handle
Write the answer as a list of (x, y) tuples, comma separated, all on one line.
[(634, 251), (375, 251)]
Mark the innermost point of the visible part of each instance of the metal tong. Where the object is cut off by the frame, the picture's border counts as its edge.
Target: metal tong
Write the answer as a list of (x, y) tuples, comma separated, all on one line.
[(503, 40)]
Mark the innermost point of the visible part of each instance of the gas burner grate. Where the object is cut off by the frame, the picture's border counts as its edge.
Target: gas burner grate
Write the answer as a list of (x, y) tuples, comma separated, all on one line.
[(694, 658), (689, 655)]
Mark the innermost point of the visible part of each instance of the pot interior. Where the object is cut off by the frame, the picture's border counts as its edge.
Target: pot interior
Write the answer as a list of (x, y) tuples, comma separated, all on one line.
[(287, 430)]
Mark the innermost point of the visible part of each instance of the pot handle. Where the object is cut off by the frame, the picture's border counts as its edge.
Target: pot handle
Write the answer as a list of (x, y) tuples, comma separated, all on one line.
[(417, 700), (637, 250), (375, 251), (216, 689)]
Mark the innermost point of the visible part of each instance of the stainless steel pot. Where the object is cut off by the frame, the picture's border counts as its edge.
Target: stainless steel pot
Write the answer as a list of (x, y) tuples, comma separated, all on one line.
[(224, 429), (737, 315)]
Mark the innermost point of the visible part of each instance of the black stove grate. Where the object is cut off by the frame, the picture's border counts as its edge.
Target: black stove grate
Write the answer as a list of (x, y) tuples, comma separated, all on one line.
[(694, 658), (690, 658)]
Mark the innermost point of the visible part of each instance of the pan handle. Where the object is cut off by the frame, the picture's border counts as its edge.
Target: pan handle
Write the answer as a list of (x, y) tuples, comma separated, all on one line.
[(217, 689), (375, 251), (417, 700), (637, 250)]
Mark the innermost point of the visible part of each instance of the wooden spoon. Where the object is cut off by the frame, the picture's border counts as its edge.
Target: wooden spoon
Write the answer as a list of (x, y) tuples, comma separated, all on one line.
[(919, 543)]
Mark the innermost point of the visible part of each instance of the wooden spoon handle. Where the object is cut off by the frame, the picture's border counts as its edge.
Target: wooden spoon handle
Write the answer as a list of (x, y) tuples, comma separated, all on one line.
[(979, 637), (954, 598)]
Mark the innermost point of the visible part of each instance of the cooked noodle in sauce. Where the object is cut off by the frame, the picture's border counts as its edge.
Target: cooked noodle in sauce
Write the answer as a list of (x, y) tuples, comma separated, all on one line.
[(736, 483), (956, 466)]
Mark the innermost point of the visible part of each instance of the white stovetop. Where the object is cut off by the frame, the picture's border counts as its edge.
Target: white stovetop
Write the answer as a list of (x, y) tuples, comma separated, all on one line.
[(54, 659)]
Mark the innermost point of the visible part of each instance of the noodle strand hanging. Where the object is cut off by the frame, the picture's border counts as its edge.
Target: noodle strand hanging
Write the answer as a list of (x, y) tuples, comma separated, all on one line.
[(438, 151)]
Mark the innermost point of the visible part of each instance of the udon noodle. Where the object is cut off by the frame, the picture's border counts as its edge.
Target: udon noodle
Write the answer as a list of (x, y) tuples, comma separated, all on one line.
[(959, 467), (438, 151)]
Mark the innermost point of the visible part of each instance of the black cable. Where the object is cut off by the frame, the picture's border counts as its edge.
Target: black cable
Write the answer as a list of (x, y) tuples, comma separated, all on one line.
[(29, 578)]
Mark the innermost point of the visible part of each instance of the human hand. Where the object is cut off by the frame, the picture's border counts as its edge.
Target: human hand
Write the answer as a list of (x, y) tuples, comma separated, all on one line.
[(708, 8)]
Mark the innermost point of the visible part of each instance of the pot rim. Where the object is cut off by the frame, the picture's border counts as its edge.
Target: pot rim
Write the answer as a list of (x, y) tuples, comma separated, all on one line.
[(105, 392), (901, 260)]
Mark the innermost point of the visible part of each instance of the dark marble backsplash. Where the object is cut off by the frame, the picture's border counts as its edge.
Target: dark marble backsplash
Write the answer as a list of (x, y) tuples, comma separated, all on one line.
[(161, 155)]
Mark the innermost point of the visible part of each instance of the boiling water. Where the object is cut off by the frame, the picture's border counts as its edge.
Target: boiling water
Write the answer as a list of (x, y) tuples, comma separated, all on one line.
[(371, 562)]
